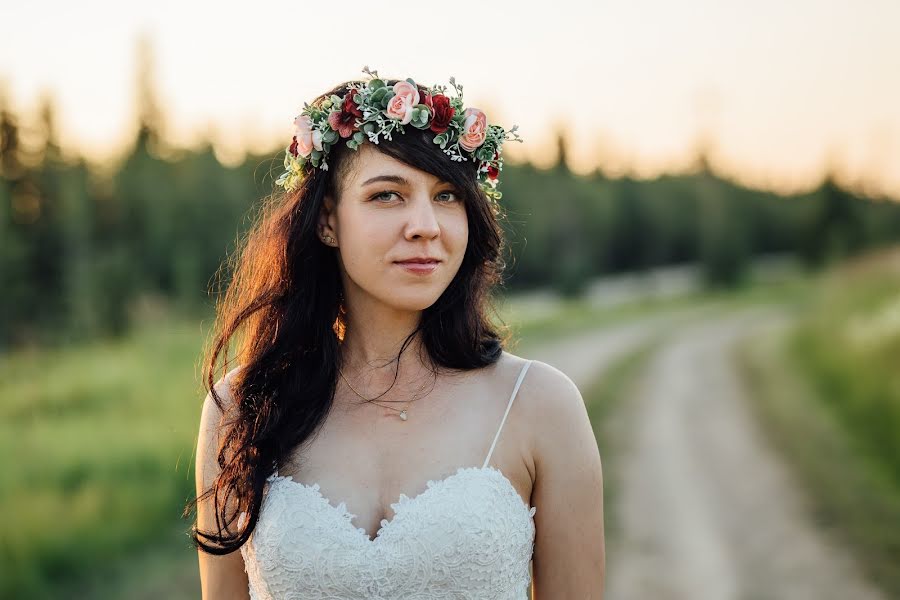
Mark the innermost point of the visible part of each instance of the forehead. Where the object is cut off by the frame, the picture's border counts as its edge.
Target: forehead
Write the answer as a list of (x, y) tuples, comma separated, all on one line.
[(370, 163)]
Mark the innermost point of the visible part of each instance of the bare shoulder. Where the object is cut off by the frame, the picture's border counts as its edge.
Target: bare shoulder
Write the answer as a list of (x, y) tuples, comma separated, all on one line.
[(212, 413), (546, 392), (549, 405), (209, 437)]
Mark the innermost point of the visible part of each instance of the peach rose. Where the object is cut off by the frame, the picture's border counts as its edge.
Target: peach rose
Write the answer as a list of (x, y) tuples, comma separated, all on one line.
[(307, 137), (474, 129), (400, 107)]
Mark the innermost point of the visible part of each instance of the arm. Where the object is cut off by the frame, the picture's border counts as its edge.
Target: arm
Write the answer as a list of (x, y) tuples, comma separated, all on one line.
[(220, 576), (569, 552)]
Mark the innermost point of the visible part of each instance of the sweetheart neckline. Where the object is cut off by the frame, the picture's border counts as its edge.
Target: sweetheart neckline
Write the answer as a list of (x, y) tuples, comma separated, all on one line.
[(430, 485)]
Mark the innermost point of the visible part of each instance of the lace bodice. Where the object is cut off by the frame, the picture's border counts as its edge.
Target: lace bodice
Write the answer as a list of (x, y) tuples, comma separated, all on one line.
[(467, 536)]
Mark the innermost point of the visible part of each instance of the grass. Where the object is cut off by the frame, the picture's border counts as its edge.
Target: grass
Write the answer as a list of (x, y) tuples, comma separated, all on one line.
[(847, 494), (605, 399), (97, 446), (829, 398)]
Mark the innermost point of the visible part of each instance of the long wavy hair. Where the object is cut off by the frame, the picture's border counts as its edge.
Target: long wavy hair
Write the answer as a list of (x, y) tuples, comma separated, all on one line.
[(283, 310)]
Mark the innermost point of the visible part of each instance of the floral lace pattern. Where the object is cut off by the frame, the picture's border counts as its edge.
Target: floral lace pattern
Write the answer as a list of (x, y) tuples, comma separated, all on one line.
[(468, 536)]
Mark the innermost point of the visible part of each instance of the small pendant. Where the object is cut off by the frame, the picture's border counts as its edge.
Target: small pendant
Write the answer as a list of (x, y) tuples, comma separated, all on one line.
[(403, 414)]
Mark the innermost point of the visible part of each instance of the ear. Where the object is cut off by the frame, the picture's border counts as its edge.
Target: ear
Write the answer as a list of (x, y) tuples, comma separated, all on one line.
[(327, 224)]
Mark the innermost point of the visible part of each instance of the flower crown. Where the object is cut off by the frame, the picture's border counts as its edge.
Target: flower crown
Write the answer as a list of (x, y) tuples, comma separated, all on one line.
[(372, 108)]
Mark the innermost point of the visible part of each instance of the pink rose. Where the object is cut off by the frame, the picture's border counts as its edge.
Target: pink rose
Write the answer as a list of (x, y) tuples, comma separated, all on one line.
[(400, 107), (408, 91), (306, 138), (474, 129)]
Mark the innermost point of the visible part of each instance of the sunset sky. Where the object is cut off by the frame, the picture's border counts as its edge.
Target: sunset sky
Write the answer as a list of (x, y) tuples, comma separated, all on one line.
[(781, 89)]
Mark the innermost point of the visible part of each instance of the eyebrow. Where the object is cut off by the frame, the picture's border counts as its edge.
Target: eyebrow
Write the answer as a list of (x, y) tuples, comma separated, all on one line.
[(392, 178)]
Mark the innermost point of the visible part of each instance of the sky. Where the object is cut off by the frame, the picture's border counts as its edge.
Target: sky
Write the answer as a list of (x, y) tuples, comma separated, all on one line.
[(777, 91)]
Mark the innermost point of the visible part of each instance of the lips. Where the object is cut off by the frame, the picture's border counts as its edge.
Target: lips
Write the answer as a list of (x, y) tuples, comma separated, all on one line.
[(418, 261)]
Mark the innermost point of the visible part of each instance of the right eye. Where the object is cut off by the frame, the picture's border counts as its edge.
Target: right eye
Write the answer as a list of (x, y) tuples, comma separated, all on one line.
[(383, 195)]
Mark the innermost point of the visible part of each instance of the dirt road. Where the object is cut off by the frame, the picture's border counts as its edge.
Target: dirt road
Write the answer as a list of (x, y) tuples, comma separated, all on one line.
[(707, 509)]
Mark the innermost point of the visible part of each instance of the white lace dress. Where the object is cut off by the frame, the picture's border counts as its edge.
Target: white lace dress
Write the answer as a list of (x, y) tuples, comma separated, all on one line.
[(468, 536)]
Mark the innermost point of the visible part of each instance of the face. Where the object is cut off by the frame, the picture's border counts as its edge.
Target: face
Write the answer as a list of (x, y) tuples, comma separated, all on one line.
[(387, 212)]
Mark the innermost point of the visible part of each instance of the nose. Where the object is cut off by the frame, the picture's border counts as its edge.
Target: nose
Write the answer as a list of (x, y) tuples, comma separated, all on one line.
[(422, 220)]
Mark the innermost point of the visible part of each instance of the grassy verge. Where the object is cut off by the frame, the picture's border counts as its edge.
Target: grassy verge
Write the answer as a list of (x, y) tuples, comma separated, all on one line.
[(848, 495), (605, 399)]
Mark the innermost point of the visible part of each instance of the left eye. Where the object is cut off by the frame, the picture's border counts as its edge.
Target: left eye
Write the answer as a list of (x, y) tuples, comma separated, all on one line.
[(453, 194)]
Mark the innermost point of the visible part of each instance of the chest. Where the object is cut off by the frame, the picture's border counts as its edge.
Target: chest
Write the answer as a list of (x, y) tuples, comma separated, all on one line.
[(368, 461), (470, 531)]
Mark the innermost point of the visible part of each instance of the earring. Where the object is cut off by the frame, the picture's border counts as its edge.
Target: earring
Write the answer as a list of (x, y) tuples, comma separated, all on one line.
[(328, 239)]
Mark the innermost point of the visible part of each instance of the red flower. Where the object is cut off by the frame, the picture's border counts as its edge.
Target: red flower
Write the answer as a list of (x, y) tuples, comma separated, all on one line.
[(344, 120), (443, 113), (492, 171), (293, 148), (350, 106)]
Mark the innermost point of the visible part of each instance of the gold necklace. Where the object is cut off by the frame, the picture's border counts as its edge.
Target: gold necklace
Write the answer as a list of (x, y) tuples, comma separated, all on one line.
[(403, 414)]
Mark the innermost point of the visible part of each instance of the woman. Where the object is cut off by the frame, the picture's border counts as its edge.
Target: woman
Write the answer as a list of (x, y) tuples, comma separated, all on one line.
[(356, 452)]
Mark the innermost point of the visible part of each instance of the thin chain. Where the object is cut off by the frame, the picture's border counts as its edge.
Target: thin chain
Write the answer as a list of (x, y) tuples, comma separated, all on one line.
[(402, 411)]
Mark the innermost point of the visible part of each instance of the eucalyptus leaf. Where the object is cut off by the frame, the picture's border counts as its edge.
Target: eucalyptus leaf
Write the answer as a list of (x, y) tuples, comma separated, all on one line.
[(377, 95)]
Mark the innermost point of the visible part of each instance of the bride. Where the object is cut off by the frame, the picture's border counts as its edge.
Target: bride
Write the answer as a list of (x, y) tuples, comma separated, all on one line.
[(356, 451)]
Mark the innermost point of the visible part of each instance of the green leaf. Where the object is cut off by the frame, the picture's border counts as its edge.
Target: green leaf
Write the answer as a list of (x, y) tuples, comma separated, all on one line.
[(375, 84), (377, 95), (359, 137), (420, 116), (484, 154), (330, 136)]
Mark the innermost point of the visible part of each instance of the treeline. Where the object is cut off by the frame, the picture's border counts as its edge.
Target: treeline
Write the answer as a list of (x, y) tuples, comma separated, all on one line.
[(82, 252), (569, 228)]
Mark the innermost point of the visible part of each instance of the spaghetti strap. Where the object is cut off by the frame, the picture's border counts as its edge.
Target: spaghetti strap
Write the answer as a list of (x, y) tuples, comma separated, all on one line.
[(508, 406)]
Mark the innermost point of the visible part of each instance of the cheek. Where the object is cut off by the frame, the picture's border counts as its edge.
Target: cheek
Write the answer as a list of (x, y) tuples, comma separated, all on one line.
[(366, 243), (460, 234)]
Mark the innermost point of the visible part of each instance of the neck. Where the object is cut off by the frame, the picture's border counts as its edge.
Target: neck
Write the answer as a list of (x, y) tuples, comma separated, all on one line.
[(372, 344)]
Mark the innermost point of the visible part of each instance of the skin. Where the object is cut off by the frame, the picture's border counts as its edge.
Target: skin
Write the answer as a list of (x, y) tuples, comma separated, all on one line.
[(366, 456)]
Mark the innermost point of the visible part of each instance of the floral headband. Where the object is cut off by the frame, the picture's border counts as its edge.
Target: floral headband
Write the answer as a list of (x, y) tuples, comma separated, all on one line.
[(372, 108)]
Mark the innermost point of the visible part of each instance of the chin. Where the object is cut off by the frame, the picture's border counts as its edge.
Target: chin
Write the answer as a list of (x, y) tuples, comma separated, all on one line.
[(413, 301)]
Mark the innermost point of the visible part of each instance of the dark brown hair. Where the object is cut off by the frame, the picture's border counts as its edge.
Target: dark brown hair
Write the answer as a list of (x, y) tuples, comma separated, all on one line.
[(284, 307)]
